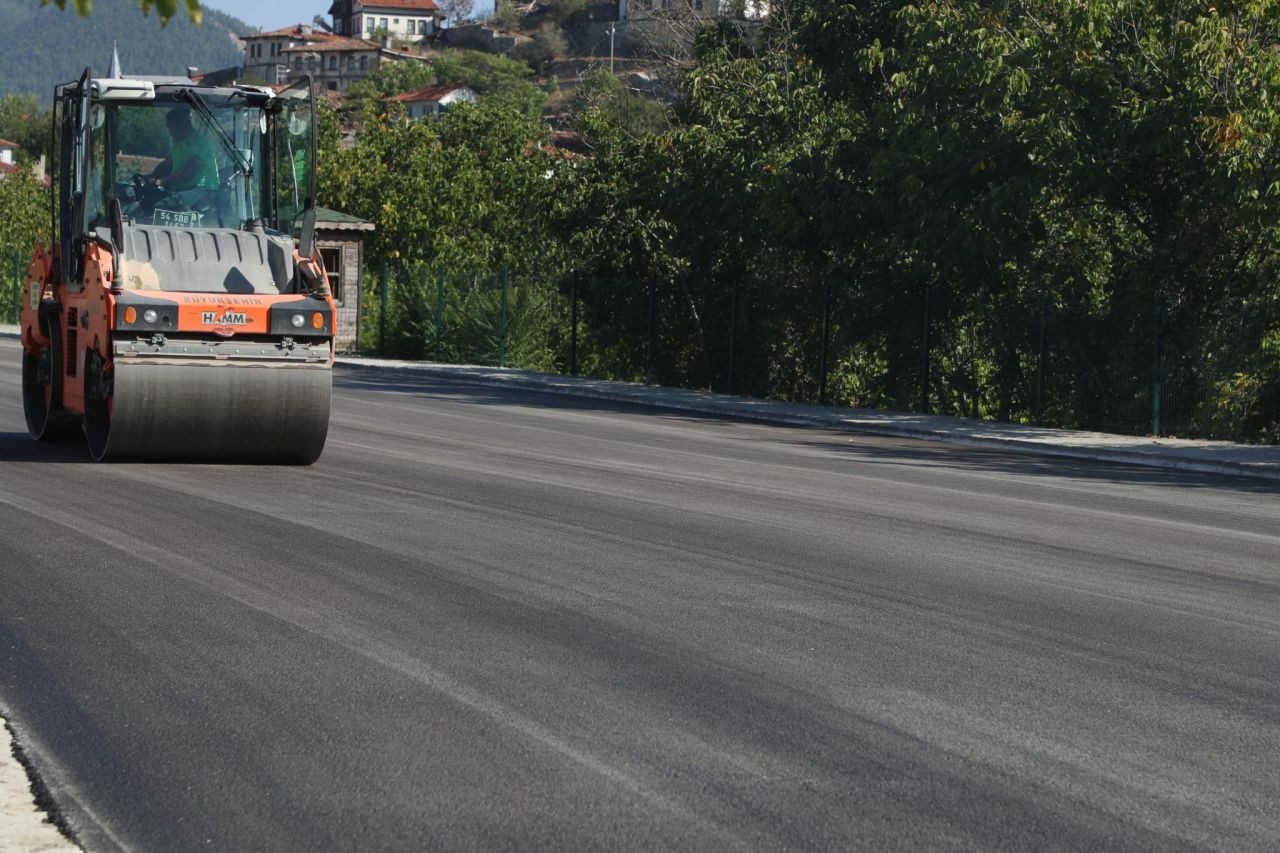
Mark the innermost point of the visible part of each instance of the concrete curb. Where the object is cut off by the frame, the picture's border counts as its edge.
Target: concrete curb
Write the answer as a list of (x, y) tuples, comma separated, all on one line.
[(1173, 454)]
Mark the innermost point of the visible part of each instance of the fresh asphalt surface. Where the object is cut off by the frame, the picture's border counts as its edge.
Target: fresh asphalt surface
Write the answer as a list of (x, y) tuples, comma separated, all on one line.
[(493, 619)]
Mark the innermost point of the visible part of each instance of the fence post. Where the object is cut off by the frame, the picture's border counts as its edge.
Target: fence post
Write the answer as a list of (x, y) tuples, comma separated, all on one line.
[(733, 329), (573, 323), (1044, 310), (826, 329), (440, 281), (649, 347), (1156, 368), (15, 312), (502, 320), (927, 345), (382, 310)]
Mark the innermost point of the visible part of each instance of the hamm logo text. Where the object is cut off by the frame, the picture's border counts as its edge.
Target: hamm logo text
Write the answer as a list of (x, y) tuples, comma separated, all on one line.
[(228, 318)]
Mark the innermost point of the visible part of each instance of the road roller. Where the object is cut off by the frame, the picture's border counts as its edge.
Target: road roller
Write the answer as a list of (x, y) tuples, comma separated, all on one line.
[(181, 311)]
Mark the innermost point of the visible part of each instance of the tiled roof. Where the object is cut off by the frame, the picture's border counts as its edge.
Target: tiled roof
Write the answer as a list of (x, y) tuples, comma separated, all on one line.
[(298, 31), (333, 43), (5, 143), (426, 93), (401, 6)]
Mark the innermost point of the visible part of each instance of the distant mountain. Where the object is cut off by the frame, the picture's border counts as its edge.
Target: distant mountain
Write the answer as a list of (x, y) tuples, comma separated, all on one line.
[(41, 46)]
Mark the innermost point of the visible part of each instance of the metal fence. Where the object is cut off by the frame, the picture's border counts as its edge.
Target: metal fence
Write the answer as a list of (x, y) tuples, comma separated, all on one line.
[(1149, 368), (1143, 369)]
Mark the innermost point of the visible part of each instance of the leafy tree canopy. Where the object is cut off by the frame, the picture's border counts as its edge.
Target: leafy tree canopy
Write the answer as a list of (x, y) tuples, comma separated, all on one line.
[(165, 9), (24, 121)]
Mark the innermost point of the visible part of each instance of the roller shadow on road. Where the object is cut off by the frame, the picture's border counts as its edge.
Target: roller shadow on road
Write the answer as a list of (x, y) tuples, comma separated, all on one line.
[(21, 447)]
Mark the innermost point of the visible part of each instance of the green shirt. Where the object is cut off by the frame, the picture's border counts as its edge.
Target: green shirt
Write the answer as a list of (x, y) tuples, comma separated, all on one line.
[(195, 145)]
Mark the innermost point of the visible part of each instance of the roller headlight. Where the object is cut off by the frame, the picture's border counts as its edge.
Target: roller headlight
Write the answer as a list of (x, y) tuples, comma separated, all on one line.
[(150, 315), (297, 320)]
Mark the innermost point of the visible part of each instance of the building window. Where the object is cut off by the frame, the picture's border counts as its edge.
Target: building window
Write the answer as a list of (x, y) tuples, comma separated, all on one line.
[(332, 259), (364, 63), (384, 23), (333, 63)]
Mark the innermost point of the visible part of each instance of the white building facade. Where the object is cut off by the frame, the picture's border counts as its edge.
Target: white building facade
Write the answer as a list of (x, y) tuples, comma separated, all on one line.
[(401, 20)]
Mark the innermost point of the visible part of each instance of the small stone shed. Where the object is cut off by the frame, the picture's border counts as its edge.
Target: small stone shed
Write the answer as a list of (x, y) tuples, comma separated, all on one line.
[(340, 239)]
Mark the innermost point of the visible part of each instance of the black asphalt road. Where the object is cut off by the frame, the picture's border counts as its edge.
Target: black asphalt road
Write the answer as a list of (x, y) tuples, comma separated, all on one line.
[(500, 620)]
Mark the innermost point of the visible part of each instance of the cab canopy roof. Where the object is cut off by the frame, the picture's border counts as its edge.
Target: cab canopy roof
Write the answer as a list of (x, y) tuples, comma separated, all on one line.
[(142, 88)]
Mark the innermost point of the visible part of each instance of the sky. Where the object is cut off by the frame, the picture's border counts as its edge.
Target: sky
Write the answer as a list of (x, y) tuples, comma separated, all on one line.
[(282, 13)]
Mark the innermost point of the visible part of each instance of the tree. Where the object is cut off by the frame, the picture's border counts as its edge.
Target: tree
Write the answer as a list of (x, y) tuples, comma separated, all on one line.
[(391, 78), (493, 76), (165, 9), (603, 99), (24, 210), (564, 10), (466, 189), (547, 45), (22, 120), (505, 15), (456, 11)]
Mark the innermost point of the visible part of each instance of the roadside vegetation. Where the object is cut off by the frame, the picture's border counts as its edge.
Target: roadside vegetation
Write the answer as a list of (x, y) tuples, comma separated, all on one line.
[(1064, 212)]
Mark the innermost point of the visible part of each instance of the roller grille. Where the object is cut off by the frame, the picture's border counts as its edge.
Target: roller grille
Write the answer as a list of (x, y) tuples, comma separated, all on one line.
[(72, 335)]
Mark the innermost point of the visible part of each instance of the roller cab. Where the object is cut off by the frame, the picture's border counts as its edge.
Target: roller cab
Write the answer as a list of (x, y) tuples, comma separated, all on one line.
[(182, 313)]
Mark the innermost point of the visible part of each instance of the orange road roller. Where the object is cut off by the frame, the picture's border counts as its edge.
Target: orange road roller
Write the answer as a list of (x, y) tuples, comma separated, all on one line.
[(181, 312)]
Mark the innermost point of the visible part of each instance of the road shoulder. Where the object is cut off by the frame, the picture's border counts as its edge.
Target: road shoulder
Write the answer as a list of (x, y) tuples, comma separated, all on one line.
[(1209, 457), (24, 826)]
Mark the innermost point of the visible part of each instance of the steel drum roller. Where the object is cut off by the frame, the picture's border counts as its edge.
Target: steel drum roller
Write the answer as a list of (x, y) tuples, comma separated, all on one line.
[(212, 411)]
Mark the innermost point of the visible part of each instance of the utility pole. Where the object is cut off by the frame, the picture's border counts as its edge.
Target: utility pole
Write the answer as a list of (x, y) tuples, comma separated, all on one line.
[(613, 28)]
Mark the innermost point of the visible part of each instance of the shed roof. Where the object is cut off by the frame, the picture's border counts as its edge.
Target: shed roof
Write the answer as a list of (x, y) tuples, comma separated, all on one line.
[(332, 220)]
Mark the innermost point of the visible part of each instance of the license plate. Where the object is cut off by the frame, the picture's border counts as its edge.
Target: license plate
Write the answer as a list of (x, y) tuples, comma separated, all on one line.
[(176, 218)]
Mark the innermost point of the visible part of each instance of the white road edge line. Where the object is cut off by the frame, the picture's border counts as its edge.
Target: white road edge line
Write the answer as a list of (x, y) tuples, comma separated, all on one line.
[(24, 828)]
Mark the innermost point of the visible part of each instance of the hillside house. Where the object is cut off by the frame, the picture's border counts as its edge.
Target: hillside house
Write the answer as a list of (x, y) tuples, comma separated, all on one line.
[(430, 101), (402, 20), (333, 61), (8, 157), (264, 53)]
